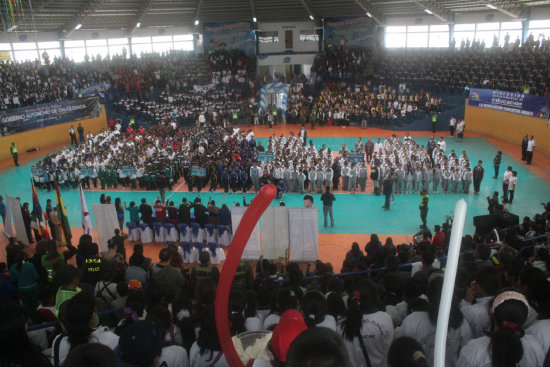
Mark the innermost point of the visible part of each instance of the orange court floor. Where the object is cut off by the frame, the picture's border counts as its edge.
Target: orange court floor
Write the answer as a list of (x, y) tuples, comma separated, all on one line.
[(332, 247)]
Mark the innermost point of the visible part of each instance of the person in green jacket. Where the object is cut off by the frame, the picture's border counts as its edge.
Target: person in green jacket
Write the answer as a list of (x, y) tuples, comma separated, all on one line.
[(134, 212), (67, 276), (166, 276), (423, 206)]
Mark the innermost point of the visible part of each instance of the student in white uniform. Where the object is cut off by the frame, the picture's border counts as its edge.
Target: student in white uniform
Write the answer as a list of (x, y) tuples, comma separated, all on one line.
[(482, 290), (207, 351), (171, 355), (421, 325), (314, 308), (367, 332), (80, 323), (508, 345)]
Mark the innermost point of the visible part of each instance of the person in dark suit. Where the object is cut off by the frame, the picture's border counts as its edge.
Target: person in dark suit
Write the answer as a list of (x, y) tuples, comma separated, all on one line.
[(200, 212), (146, 213), (524, 143), (387, 190)]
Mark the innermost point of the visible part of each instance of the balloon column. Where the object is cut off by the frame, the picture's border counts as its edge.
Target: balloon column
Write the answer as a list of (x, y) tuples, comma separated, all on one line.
[(248, 221)]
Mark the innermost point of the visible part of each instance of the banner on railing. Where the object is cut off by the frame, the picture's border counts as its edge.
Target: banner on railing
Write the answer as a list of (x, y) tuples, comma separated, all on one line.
[(349, 32), (519, 103), (229, 36), (47, 114)]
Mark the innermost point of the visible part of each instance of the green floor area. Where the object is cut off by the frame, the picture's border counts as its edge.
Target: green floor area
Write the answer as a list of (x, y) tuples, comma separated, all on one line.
[(358, 213)]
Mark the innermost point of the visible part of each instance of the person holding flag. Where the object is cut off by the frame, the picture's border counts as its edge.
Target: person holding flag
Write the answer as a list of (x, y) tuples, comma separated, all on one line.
[(37, 217), (86, 220), (60, 220)]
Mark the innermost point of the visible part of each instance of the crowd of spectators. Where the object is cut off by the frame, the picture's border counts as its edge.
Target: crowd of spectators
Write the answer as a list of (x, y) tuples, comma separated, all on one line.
[(342, 104), (384, 314), (344, 63), (471, 66)]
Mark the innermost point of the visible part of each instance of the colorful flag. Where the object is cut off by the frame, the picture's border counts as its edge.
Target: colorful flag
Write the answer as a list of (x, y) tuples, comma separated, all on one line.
[(86, 220), (37, 216), (62, 215)]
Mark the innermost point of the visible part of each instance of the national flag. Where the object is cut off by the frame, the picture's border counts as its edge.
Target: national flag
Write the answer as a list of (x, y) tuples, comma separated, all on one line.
[(86, 220), (37, 216), (62, 215)]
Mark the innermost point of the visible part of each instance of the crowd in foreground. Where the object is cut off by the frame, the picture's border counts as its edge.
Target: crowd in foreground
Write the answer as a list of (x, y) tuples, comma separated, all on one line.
[(386, 317)]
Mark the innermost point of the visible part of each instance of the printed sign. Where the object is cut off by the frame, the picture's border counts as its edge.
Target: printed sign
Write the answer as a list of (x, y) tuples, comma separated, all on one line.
[(265, 157), (198, 171), (519, 103)]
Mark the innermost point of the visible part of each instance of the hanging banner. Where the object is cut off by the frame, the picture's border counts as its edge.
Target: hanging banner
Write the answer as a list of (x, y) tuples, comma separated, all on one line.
[(17, 217), (229, 36), (349, 32), (303, 230), (48, 114), (106, 222), (513, 102), (275, 232), (253, 249)]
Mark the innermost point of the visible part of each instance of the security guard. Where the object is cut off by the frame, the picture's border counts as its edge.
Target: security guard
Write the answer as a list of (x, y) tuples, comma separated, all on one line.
[(423, 206), (14, 153)]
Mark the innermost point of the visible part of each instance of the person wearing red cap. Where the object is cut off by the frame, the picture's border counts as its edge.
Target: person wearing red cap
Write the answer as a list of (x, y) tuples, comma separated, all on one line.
[(289, 327)]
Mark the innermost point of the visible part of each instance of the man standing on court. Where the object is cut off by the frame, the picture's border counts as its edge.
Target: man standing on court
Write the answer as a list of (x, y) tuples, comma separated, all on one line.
[(80, 130), (369, 149), (328, 198), (14, 154), (496, 163), (387, 190), (524, 142), (530, 149), (478, 176), (423, 206), (72, 134)]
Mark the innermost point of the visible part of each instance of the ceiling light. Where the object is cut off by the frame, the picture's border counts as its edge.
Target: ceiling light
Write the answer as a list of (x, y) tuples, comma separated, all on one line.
[(311, 17), (369, 15), (138, 25), (491, 6), (428, 11), (254, 19), (197, 22), (78, 26), (12, 28)]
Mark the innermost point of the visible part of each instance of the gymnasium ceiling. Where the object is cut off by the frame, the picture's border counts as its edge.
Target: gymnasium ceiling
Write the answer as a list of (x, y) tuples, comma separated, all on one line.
[(64, 15)]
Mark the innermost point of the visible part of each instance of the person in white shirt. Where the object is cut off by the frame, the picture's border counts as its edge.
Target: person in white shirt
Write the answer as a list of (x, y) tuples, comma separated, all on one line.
[(482, 290), (507, 345), (80, 324), (530, 149), (511, 187), (506, 180), (452, 125), (421, 325), (366, 328), (314, 308)]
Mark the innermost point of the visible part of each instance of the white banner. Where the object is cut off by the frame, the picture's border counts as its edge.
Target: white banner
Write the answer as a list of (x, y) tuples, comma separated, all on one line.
[(203, 88), (253, 249), (106, 222), (275, 232), (303, 234), (17, 217), (8, 227), (86, 219)]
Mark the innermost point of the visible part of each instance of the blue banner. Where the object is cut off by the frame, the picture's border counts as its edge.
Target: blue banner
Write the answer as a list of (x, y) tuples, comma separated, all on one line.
[(356, 157), (349, 32), (229, 36), (519, 103), (198, 171), (47, 114), (265, 157)]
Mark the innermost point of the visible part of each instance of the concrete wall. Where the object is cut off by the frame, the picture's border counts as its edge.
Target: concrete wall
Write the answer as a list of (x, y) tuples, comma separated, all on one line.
[(508, 126), (51, 135)]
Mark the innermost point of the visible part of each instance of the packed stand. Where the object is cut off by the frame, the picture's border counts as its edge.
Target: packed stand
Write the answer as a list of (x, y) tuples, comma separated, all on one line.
[(384, 314)]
